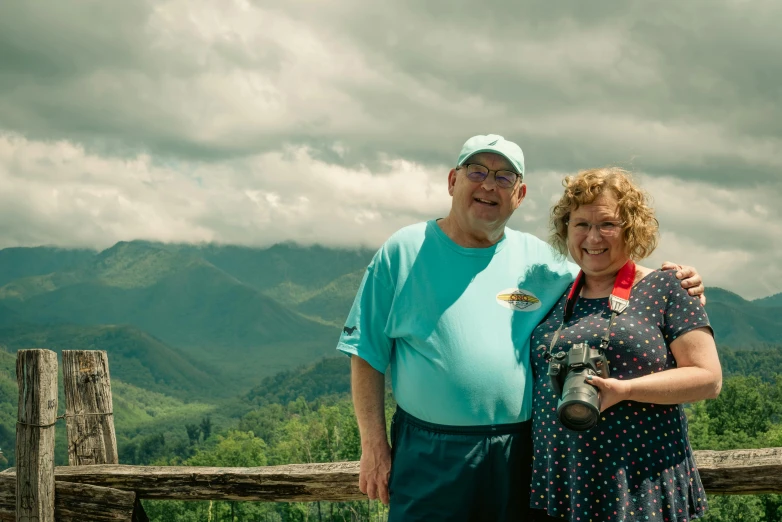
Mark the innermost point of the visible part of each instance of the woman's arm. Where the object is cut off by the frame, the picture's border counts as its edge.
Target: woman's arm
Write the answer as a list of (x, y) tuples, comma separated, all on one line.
[(698, 376)]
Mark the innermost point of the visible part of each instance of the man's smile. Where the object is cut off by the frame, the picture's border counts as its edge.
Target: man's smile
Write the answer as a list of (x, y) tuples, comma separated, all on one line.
[(485, 202)]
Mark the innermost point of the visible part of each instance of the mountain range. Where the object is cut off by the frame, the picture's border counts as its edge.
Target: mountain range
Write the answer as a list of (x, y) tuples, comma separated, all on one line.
[(214, 320), (242, 313)]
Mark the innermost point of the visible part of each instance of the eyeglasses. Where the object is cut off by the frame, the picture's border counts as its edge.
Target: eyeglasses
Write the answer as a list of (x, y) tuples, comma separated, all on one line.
[(503, 178), (605, 229)]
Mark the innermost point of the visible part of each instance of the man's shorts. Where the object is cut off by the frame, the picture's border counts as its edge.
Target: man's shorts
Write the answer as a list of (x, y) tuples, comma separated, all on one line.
[(459, 473)]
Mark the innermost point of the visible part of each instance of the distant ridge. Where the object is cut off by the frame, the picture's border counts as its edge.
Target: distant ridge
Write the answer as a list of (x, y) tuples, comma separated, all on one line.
[(772, 300), (240, 318), (742, 324), (18, 262), (136, 357)]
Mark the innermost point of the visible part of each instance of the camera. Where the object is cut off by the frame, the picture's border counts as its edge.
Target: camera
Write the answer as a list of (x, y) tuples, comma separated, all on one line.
[(579, 404)]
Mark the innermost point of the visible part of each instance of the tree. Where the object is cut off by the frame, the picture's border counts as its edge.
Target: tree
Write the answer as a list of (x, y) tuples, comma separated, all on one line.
[(735, 508), (206, 426), (193, 433), (743, 406), (234, 449)]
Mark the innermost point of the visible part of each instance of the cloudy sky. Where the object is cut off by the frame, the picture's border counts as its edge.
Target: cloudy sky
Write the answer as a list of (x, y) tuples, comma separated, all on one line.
[(336, 122)]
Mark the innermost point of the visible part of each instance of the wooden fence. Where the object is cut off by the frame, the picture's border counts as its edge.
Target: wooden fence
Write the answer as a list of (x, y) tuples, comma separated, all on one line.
[(94, 486)]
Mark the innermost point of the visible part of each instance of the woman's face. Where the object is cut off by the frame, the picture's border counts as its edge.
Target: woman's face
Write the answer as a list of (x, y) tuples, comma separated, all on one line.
[(595, 237)]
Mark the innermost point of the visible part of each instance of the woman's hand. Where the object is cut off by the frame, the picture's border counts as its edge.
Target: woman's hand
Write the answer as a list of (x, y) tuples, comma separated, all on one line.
[(612, 391)]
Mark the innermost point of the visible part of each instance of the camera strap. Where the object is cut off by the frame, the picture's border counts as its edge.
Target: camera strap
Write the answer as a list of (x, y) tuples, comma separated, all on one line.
[(617, 301)]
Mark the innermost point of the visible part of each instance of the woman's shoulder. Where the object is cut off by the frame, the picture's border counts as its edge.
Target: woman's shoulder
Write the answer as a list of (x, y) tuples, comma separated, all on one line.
[(641, 272), (663, 283), (647, 274)]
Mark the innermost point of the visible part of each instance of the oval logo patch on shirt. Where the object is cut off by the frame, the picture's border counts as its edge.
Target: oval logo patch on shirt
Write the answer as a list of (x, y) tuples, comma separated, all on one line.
[(517, 299)]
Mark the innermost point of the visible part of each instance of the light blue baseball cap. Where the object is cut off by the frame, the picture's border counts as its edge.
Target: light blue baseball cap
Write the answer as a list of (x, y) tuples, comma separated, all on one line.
[(496, 144)]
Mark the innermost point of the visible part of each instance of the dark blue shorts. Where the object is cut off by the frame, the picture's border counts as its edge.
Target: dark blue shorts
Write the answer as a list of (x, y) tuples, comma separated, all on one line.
[(459, 473)]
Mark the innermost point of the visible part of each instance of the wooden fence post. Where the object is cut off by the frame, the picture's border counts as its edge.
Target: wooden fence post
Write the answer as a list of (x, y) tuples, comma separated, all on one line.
[(89, 412), (36, 375), (88, 408)]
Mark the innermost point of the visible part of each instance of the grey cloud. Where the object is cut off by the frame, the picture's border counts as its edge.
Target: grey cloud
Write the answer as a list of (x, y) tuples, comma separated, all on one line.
[(437, 72), (662, 65)]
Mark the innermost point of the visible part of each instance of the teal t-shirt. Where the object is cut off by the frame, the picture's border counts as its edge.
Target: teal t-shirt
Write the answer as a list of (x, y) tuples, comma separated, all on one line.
[(454, 323)]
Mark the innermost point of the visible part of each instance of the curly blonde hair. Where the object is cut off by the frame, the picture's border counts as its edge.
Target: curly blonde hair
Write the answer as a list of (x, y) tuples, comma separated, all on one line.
[(641, 227)]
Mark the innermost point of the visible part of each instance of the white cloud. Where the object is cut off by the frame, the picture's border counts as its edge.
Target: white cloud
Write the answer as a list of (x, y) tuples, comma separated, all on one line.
[(71, 197)]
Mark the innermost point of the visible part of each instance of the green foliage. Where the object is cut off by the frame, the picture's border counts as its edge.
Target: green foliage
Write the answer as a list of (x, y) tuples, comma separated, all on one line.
[(304, 433), (330, 375), (764, 360), (729, 508), (206, 427), (745, 415), (298, 432), (744, 406), (234, 449)]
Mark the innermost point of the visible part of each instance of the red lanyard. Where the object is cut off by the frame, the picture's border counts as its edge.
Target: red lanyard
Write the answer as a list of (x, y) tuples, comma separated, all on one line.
[(617, 301)]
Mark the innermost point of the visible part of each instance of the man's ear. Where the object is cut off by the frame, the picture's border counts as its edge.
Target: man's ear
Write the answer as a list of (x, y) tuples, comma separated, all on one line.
[(451, 181), (521, 194)]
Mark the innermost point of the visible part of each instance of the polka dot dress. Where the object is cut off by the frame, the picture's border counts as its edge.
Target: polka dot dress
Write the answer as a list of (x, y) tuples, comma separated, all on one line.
[(636, 464)]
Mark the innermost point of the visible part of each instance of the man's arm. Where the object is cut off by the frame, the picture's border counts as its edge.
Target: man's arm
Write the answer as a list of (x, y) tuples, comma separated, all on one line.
[(368, 387)]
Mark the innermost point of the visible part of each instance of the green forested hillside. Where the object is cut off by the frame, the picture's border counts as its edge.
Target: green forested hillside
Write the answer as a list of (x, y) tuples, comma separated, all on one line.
[(740, 323), (180, 298), (763, 362), (333, 301), (17, 263), (329, 376), (309, 267), (772, 300), (135, 356)]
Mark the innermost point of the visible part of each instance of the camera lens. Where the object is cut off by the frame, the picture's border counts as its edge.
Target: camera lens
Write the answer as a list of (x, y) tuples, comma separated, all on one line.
[(577, 416), (579, 406)]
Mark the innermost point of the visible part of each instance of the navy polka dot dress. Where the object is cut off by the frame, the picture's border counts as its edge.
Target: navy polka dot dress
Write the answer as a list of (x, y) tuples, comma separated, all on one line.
[(636, 464)]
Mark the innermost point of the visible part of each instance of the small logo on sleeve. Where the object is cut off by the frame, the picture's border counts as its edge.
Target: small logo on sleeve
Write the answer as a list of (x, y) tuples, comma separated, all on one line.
[(517, 299), (349, 329)]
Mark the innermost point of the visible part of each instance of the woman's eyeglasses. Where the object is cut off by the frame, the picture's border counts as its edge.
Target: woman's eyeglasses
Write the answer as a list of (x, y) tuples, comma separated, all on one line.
[(605, 229)]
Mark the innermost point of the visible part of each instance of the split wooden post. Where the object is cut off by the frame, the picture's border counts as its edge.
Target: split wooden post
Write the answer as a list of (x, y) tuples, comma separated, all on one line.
[(36, 375), (89, 417), (89, 412)]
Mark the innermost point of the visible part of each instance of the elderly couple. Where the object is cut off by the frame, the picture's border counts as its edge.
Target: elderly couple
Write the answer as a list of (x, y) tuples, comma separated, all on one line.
[(468, 314)]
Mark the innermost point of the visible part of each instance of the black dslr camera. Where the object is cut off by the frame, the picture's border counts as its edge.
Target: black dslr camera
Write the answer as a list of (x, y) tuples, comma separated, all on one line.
[(579, 405)]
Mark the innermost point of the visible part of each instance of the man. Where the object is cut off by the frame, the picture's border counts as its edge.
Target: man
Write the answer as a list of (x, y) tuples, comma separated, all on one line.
[(450, 304)]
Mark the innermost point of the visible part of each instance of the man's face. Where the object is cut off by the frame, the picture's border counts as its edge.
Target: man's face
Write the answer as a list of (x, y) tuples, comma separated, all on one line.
[(483, 207)]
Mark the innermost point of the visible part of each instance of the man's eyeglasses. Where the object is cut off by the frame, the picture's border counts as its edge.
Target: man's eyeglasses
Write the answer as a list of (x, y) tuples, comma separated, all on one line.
[(503, 178), (605, 229)]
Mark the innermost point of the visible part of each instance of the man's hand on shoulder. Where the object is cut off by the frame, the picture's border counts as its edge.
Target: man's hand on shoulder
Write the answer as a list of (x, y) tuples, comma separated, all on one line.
[(690, 279), (374, 470)]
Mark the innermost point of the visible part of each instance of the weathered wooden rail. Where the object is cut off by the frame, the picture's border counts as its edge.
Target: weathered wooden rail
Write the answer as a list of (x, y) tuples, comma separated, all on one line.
[(95, 487)]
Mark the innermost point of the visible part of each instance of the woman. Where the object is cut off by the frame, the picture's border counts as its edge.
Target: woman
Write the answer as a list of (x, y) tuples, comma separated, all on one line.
[(636, 463)]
